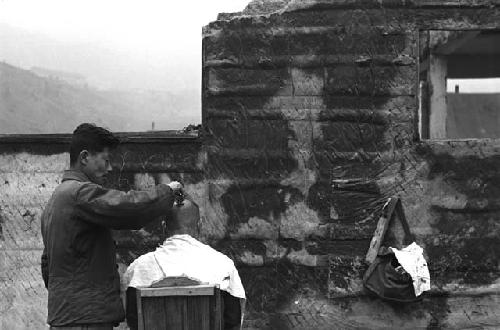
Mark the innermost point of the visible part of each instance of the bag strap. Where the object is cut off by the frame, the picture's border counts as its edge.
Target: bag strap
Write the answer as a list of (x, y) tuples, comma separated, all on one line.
[(409, 238), (392, 207)]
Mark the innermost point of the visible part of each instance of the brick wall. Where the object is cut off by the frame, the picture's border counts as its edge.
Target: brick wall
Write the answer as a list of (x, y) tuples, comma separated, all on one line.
[(312, 115)]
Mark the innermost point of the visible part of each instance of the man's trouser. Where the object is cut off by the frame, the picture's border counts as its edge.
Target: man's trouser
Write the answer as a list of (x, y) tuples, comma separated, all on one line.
[(102, 326)]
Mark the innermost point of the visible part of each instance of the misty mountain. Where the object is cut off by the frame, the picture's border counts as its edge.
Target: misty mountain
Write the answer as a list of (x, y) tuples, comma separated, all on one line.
[(69, 77), (33, 104), (103, 64)]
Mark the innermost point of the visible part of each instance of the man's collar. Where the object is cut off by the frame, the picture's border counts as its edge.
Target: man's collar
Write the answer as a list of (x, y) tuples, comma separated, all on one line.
[(75, 175)]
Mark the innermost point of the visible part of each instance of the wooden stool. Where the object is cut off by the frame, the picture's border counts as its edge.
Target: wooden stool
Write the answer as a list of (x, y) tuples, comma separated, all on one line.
[(195, 307)]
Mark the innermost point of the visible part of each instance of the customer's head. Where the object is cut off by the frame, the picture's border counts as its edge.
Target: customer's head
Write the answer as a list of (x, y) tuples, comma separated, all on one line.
[(183, 219), (90, 151)]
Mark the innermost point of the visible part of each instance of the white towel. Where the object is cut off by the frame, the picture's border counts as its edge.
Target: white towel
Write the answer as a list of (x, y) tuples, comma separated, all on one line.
[(411, 258)]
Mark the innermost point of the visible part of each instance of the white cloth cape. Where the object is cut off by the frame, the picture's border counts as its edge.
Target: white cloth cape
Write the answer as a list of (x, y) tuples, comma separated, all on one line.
[(184, 256)]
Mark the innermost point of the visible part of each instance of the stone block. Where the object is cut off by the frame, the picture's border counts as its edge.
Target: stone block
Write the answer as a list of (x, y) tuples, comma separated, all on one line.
[(352, 164), (255, 228), (308, 82), (371, 81), (244, 252), (264, 201), (365, 40), (301, 222), (319, 199), (375, 110), (475, 173), (271, 288), (353, 206), (258, 164), (353, 17), (248, 133), (471, 260), (248, 82), (235, 45), (346, 275), (179, 157), (359, 230), (352, 136), (338, 248)]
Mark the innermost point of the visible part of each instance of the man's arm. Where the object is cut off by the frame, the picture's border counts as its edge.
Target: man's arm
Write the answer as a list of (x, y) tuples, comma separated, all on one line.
[(122, 210), (45, 267)]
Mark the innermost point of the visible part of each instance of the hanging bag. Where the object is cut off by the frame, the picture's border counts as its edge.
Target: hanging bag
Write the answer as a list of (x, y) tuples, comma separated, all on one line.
[(385, 277)]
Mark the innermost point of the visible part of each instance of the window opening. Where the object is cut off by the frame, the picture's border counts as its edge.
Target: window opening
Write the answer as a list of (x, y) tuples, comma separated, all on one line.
[(460, 84)]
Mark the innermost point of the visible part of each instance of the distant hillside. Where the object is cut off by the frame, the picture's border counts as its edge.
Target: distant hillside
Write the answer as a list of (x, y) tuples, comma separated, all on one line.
[(167, 110), (69, 77), (473, 115), (34, 104)]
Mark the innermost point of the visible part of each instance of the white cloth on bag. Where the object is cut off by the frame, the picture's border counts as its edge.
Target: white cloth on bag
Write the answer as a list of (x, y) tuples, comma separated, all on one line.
[(185, 256), (411, 258)]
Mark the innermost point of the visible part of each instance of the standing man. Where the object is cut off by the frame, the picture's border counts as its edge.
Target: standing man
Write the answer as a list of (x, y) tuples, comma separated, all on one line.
[(79, 258)]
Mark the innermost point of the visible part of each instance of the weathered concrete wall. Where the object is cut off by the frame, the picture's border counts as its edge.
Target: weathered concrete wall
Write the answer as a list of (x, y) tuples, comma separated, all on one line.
[(30, 171), (312, 115)]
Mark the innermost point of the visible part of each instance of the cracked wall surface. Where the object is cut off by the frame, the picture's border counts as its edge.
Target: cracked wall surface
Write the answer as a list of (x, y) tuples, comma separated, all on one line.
[(311, 109)]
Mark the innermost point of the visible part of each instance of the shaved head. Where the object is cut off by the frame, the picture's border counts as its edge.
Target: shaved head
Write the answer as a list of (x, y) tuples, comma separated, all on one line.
[(183, 219)]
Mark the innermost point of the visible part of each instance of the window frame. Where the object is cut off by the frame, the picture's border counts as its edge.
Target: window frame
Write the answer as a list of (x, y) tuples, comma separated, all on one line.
[(428, 129)]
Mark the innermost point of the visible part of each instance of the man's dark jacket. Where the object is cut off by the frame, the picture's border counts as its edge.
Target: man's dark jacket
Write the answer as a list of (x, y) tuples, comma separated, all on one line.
[(79, 260)]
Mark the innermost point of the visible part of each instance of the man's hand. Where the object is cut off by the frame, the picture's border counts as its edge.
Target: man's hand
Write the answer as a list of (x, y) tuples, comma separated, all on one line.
[(176, 186), (178, 192), (178, 189)]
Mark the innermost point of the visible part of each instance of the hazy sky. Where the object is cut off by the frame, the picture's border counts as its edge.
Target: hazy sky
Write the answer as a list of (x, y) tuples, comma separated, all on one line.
[(156, 36), (487, 85)]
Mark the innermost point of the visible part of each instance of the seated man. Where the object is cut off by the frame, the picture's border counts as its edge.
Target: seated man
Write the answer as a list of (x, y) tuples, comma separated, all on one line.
[(182, 256)]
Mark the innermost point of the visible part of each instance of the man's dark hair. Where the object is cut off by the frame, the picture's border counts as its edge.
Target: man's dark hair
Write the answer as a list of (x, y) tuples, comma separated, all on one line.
[(91, 138)]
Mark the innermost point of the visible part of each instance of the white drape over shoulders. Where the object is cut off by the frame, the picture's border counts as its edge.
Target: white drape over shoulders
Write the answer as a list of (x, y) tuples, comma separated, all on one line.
[(184, 256)]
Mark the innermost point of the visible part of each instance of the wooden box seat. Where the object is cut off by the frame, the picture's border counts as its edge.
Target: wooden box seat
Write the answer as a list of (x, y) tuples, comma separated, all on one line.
[(178, 307)]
